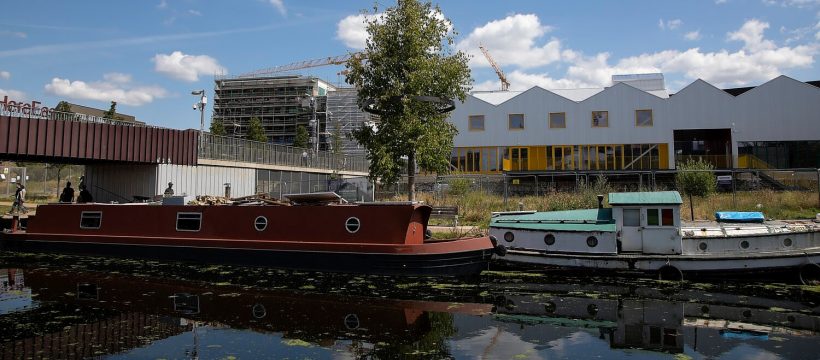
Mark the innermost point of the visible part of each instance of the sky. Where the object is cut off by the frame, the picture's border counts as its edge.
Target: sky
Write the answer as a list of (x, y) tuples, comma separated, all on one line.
[(149, 55)]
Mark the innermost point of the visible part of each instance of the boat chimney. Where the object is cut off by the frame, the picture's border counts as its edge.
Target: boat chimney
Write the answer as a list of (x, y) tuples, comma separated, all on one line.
[(600, 201)]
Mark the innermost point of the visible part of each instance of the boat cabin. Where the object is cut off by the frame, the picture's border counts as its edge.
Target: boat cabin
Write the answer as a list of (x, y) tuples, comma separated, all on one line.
[(647, 222)]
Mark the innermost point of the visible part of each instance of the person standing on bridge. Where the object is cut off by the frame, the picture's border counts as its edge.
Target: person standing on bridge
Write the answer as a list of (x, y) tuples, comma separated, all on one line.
[(169, 191), (68, 193)]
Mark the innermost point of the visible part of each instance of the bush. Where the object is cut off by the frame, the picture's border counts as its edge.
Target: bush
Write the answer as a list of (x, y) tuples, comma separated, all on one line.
[(459, 186), (696, 178)]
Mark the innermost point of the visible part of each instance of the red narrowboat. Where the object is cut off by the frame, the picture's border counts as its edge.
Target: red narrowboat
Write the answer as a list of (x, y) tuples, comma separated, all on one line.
[(373, 238)]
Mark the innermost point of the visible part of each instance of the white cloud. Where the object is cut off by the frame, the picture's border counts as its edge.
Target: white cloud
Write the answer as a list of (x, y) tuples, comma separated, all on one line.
[(279, 5), (13, 94), (352, 30), (5, 75), (512, 41), (792, 3), (17, 34), (186, 67), (670, 24), (692, 35), (115, 87), (759, 59), (721, 1), (162, 4), (194, 12)]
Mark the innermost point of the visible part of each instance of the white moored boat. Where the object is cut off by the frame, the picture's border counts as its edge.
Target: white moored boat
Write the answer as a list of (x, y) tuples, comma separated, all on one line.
[(643, 232)]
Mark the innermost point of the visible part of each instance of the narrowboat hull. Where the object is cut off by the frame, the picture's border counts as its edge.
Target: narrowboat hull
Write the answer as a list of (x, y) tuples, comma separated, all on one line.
[(381, 239)]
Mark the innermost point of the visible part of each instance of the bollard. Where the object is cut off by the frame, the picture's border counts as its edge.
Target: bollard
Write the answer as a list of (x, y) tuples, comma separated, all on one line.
[(15, 221)]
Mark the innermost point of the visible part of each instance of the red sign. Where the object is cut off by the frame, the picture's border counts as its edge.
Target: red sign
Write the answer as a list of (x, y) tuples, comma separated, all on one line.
[(32, 108)]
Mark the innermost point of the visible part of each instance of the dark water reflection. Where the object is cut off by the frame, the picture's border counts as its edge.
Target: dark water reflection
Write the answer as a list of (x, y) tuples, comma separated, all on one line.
[(82, 311)]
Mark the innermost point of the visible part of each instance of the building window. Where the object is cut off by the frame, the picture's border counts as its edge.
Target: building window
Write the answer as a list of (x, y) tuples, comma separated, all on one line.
[(600, 119), (643, 117), (516, 121), (90, 219), (652, 218), (476, 122), (659, 217), (189, 221), (558, 120)]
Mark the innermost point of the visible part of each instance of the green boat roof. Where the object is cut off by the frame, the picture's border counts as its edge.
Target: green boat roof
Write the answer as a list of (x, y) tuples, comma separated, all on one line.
[(569, 220), (645, 198)]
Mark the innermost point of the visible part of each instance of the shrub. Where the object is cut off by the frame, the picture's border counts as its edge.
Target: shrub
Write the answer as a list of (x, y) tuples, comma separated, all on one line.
[(459, 186), (696, 178)]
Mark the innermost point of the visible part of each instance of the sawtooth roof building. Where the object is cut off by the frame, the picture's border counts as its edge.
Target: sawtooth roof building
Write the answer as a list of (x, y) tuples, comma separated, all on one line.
[(635, 124)]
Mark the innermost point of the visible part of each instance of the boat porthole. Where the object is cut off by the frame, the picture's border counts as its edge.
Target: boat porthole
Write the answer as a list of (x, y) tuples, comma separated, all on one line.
[(790, 318), (592, 241), (744, 244), (704, 310), (549, 307), (352, 225), (787, 242), (259, 311), (702, 246), (747, 313), (261, 223), (509, 236), (549, 239), (592, 309), (351, 321)]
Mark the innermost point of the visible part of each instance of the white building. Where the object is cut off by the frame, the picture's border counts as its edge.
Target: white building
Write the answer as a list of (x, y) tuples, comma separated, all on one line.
[(636, 125)]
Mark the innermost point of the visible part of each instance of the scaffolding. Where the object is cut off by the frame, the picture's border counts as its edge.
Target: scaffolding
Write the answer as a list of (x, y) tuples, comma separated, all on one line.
[(281, 103), (344, 116)]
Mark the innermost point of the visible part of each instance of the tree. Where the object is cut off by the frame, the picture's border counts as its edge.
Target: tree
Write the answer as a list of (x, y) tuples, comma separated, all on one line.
[(302, 137), (112, 111), (255, 131), (408, 56), (217, 128), (695, 178), (64, 107)]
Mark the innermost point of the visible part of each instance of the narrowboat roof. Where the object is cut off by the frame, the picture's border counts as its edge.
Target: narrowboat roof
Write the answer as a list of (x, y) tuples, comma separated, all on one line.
[(569, 220), (645, 198)]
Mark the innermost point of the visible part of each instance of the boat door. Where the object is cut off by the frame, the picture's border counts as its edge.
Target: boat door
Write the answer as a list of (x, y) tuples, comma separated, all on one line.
[(631, 237)]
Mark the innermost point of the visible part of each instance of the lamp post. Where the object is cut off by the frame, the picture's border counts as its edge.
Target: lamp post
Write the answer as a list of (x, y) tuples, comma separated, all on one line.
[(201, 107)]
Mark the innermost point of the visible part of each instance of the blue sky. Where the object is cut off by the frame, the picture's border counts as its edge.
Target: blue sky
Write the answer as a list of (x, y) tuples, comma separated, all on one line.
[(149, 55)]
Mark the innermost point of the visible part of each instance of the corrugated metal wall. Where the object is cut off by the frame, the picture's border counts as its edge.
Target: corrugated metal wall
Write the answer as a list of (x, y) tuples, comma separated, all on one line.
[(121, 184), (32, 138)]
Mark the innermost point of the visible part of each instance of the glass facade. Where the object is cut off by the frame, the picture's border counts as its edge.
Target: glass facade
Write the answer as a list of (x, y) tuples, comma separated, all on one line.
[(778, 154)]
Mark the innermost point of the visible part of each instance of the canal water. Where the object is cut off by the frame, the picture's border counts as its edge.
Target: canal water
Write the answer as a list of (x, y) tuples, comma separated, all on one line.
[(64, 307)]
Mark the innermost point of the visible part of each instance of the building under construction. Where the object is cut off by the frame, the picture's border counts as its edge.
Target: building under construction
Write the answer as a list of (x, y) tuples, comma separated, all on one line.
[(283, 103)]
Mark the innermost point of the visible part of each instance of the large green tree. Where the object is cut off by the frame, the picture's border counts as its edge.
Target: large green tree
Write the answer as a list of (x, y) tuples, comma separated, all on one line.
[(408, 58), (217, 128), (302, 137), (255, 131), (112, 111), (63, 106)]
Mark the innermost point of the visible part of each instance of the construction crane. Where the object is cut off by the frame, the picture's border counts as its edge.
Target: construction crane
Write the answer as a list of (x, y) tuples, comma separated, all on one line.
[(505, 85), (333, 60)]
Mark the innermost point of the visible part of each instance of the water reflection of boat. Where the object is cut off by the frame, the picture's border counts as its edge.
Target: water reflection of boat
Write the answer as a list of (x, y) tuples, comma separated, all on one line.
[(376, 238), (158, 308)]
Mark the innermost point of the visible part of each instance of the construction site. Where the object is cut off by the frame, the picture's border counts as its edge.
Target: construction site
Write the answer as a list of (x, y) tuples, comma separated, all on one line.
[(283, 102)]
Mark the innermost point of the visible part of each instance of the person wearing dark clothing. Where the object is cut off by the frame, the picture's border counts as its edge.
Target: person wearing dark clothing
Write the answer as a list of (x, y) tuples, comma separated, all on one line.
[(169, 191), (68, 193), (84, 196), (19, 200)]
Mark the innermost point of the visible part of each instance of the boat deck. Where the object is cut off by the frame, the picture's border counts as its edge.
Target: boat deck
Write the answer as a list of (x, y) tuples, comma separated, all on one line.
[(711, 228)]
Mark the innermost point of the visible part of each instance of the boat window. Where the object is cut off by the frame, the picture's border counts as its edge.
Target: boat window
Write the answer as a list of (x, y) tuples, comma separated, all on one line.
[(592, 241), (787, 242), (90, 219), (652, 217), (260, 223), (666, 217), (549, 239), (509, 236), (632, 217), (352, 225), (189, 221)]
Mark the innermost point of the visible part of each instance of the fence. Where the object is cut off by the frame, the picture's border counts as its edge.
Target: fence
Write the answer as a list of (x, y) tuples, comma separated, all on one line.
[(234, 149), (545, 183)]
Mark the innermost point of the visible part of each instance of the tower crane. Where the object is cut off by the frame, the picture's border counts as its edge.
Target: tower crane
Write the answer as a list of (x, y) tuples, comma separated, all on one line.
[(505, 85), (332, 60)]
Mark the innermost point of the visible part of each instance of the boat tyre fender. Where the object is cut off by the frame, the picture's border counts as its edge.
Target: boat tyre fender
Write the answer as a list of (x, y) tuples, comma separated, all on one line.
[(428, 234), (671, 273), (499, 249), (810, 274)]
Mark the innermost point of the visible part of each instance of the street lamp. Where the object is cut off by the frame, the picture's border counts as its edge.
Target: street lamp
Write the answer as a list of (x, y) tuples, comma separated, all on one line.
[(201, 107)]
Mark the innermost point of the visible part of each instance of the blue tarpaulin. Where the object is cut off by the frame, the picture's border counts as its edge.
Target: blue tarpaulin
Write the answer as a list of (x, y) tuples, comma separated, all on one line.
[(739, 216)]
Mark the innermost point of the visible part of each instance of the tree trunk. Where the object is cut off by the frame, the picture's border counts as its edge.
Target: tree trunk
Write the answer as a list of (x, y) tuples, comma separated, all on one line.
[(411, 176), (691, 208)]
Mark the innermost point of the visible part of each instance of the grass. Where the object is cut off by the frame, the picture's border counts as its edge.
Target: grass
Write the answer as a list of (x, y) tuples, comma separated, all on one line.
[(475, 207)]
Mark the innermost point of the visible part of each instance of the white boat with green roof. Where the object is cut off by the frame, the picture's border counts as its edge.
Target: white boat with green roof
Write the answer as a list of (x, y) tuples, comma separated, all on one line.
[(642, 232)]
